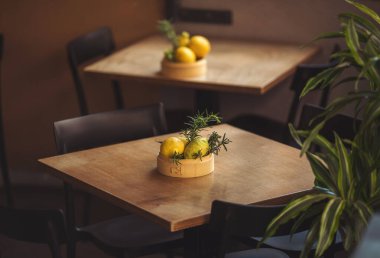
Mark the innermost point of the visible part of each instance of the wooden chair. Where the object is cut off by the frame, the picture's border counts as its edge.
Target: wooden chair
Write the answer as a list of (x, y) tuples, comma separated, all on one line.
[(232, 221), (44, 226), (85, 48), (130, 235), (276, 130)]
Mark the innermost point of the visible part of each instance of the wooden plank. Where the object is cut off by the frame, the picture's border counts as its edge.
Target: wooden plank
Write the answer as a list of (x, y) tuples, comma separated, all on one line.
[(253, 170), (233, 66)]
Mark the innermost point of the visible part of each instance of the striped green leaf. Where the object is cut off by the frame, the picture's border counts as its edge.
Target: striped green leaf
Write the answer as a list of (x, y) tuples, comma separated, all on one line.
[(365, 10), (311, 238), (352, 41), (345, 169), (361, 23), (365, 212), (292, 210), (324, 78), (322, 173), (329, 224)]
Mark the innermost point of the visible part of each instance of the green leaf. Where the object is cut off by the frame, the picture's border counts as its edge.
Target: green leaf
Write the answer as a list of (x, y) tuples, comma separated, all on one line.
[(329, 224), (365, 10), (313, 134), (311, 238), (348, 236), (322, 173), (345, 169), (352, 41), (361, 23), (324, 78), (329, 35), (295, 134), (365, 211), (292, 210)]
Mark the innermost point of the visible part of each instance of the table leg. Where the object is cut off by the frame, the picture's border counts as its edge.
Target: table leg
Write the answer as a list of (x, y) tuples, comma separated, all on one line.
[(206, 100)]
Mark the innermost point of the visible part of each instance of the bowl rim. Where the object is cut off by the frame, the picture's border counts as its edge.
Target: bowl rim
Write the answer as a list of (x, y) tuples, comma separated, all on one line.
[(168, 63), (188, 161)]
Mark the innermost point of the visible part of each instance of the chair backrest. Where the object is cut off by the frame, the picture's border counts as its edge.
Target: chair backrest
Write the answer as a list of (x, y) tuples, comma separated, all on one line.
[(33, 225), (37, 226), (3, 157), (236, 220), (106, 128), (305, 72), (83, 49), (345, 126)]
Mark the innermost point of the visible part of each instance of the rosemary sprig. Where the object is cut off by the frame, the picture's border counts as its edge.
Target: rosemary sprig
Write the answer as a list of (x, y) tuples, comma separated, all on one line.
[(216, 142), (177, 158), (197, 123), (166, 27)]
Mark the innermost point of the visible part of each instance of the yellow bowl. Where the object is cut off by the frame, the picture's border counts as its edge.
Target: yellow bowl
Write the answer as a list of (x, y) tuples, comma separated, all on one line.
[(187, 168), (183, 70)]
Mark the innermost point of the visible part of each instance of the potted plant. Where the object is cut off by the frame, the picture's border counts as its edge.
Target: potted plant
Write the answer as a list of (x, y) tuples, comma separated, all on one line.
[(347, 172)]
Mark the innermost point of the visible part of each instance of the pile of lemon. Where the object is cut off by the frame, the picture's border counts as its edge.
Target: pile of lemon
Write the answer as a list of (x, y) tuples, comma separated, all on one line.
[(191, 48), (181, 147), (185, 48)]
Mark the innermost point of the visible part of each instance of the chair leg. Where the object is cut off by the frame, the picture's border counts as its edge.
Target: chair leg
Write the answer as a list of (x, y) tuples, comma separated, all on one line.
[(118, 95), (53, 241), (70, 218), (87, 203)]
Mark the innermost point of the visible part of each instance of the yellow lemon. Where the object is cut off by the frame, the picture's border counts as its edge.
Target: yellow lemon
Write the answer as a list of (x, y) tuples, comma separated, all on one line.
[(171, 146), (200, 46), (196, 146), (184, 140), (183, 39), (184, 55)]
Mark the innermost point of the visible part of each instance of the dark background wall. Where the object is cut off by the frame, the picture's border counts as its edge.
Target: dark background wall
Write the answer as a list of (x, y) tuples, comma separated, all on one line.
[(38, 88), (37, 84)]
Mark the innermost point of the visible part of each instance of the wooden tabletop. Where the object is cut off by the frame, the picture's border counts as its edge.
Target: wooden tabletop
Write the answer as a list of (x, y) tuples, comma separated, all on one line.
[(254, 169), (233, 66)]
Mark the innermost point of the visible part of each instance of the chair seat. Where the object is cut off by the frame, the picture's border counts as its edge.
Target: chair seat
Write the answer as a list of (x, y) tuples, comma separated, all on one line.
[(258, 253), (131, 232), (294, 243), (260, 125)]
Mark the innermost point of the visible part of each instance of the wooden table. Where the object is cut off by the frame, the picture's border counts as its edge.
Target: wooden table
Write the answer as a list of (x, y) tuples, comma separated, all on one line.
[(233, 66), (253, 170)]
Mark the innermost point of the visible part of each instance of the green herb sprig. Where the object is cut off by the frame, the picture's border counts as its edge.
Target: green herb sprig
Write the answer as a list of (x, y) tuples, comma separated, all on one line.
[(216, 142), (166, 28), (198, 123)]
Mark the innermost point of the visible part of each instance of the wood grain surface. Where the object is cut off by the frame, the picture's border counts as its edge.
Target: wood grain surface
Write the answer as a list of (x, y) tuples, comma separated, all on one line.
[(233, 66), (253, 170)]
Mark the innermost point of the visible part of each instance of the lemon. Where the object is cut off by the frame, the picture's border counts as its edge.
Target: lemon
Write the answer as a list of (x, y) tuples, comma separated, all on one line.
[(183, 39), (200, 46), (171, 146), (197, 145), (184, 140), (184, 55)]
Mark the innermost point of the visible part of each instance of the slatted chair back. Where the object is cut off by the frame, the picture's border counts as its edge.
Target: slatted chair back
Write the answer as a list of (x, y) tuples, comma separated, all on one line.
[(99, 129), (277, 130), (345, 126), (111, 127), (87, 47)]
